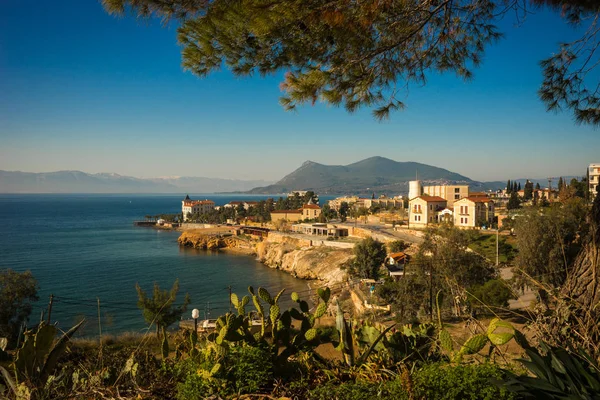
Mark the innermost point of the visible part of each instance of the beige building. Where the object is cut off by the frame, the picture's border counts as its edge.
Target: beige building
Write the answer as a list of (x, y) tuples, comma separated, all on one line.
[(450, 193), (336, 203), (471, 212), (550, 195), (320, 230), (383, 202), (245, 204), (189, 206), (310, 211), (594, 171), (425, 209), (288, 215)]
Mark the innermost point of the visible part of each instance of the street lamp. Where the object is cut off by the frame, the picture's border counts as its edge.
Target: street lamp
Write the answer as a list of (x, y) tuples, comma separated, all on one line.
[(195, 315)]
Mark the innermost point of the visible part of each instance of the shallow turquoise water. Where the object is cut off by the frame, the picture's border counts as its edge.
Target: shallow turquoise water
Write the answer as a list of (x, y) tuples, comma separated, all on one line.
[(84, 247)]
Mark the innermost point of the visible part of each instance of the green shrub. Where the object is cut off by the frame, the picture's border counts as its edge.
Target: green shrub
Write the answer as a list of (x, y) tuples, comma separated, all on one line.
[(459, 382), (345, 391), (251, 369), (244, 369), (494, 293)]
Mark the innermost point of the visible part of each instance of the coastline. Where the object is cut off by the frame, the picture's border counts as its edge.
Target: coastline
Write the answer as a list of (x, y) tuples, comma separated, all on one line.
[(293, 255)]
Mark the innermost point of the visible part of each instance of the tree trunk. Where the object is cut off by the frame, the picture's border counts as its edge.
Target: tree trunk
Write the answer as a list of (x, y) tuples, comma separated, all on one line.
[(583, 283)]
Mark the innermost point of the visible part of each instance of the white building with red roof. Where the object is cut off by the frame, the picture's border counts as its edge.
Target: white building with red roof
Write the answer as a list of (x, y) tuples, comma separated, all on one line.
[(425, 210), (470, 212), (189, 206)]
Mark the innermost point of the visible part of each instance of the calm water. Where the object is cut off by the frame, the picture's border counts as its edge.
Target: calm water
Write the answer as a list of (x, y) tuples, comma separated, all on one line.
[(84, 247)]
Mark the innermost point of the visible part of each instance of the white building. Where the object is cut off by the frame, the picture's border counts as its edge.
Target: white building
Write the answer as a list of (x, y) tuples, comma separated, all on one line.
[(189, 206), (415, 189), (424, 210), (470, 212), (594, 171)]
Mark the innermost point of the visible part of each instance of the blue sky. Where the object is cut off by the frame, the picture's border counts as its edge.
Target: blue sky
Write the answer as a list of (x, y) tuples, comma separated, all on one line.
[(83, 90)]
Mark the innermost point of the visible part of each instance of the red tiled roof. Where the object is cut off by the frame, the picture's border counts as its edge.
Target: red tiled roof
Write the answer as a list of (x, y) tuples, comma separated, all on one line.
[(478, 194), (312, 206), (286, 212), (431, 199), (478, 199), (191, 203), (397, 255)]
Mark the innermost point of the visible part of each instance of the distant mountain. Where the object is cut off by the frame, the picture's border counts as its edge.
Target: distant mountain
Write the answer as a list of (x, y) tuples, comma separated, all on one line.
[(375, 174), (81, 182)]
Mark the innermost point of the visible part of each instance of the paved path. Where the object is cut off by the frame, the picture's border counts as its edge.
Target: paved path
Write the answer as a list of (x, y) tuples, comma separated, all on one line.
[(525, 299)]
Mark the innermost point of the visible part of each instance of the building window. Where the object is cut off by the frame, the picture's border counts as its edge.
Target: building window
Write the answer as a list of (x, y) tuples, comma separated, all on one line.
[(456, 190), (466, 220)]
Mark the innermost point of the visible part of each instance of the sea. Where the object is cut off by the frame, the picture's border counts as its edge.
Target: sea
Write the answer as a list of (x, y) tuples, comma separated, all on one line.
[(84, 250)]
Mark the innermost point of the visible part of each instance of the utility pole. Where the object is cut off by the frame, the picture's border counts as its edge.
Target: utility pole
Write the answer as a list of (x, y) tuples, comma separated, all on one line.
[(497, 241), (50, 307)]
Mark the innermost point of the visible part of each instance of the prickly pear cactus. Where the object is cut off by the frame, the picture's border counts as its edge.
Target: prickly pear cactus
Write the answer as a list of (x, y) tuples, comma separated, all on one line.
[(446, 341), (234, 300), (274, 314), (310, 334), (265, 296), (276, 299), (321, 309), (324, 294)]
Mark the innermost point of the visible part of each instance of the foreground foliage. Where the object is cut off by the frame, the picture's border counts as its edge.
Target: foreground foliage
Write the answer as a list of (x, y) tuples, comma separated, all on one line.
[(278, 356), (18, 291)]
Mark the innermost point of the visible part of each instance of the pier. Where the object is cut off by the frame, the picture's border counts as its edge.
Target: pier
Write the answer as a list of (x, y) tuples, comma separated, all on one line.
[(144, 223)]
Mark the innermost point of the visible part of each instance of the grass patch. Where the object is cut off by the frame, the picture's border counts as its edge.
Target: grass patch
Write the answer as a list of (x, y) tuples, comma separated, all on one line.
[(485, 244)]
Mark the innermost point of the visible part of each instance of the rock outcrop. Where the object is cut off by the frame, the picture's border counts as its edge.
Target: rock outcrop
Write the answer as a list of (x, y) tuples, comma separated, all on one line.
[(281, 252), (307, 262), (199, 240)]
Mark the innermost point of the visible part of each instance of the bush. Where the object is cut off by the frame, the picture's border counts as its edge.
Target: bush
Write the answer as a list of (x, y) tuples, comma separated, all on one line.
[(449, 382), (357, 391), (494, 293), (244, 369), (397, 245)]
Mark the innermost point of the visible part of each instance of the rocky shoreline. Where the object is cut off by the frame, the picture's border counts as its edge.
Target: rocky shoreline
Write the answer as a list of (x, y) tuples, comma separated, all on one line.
[(279, 252)]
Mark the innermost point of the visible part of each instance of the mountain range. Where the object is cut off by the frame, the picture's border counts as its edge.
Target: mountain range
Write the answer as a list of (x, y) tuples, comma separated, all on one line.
[(372, 175), (82, 182)]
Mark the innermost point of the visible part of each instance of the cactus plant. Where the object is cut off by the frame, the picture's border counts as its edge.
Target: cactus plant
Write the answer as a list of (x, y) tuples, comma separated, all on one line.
[(36, 359), (276, 327), (349, 340)]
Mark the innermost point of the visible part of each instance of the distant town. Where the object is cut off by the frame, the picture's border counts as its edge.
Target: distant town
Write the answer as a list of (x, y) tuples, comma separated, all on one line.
[(424, 205)]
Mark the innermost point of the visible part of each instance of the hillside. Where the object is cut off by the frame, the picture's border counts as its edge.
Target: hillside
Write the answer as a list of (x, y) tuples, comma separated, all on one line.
[(377, 174), (81, 182)]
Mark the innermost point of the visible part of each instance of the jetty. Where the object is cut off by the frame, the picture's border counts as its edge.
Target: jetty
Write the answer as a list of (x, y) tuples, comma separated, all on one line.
[(144, 223)]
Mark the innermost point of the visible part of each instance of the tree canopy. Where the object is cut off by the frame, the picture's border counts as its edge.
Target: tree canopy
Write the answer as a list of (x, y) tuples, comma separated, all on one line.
[(159, 309), (369, 257), (368, 53), (18, 290), (549, 241)]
